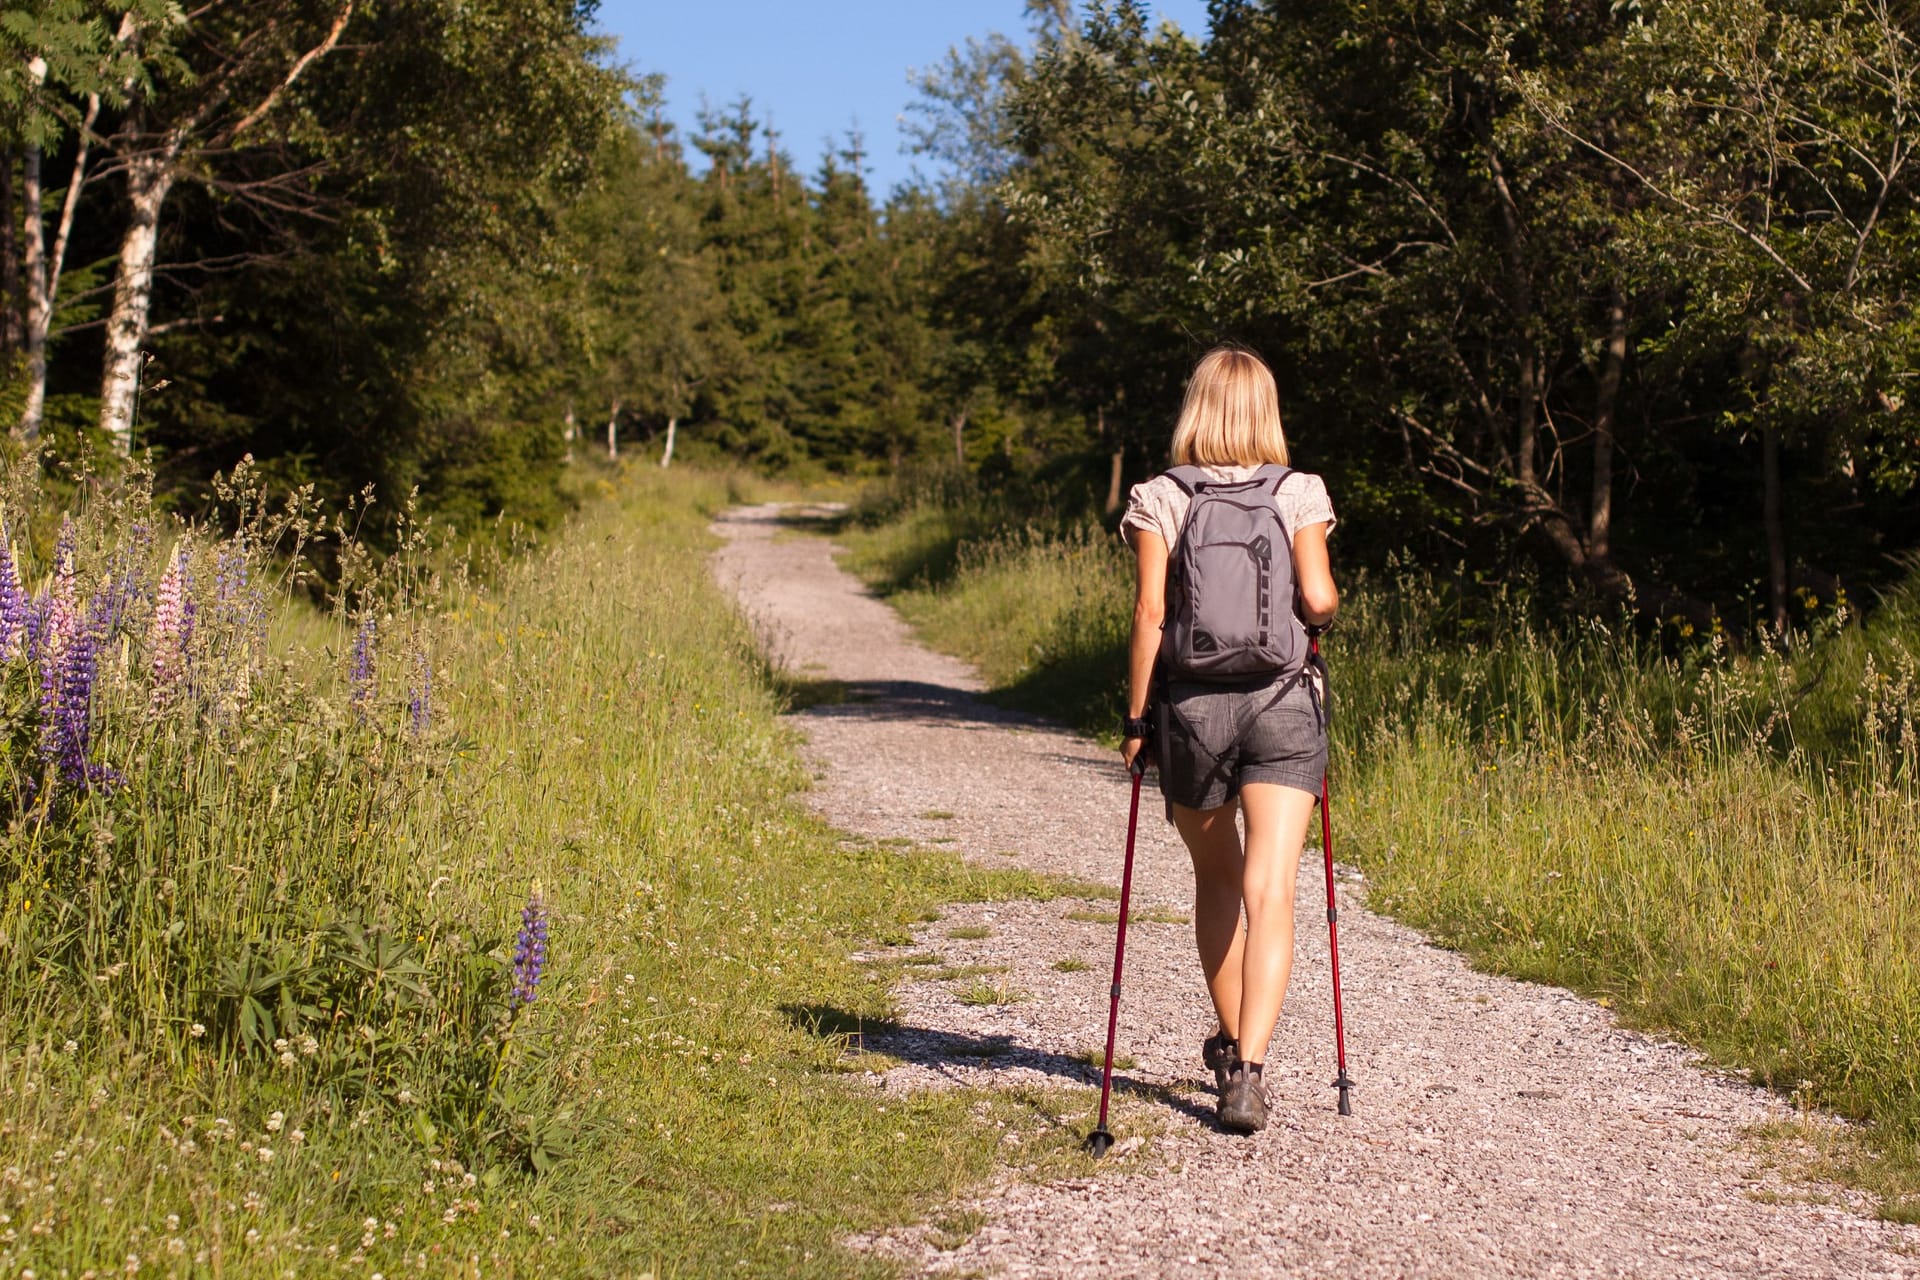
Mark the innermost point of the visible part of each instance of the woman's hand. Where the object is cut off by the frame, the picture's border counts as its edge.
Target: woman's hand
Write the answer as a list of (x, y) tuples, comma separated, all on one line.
[(1131, 748)]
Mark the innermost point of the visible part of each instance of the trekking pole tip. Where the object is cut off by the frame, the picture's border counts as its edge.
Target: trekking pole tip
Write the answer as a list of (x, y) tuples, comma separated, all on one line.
[(1346, 1087), (1099, 1141)]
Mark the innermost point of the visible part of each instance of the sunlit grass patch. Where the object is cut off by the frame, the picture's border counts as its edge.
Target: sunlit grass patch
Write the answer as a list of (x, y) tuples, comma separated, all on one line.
[(982, 992), (1095, 1056), (951, 1229)]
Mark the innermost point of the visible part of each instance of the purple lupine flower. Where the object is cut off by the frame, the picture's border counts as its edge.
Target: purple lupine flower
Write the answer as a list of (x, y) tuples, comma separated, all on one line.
[(360, 673), (171, 628), (16, 609), (67, 701), (420, 705), (530, 949)]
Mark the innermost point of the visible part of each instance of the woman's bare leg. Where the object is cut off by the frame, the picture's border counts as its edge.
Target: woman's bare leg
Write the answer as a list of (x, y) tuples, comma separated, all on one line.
[(1276, 828), (1214, 843)]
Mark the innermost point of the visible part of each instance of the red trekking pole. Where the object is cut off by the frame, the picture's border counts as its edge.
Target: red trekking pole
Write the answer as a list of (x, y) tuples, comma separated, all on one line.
[(1343, 1084), (1101, 1138)]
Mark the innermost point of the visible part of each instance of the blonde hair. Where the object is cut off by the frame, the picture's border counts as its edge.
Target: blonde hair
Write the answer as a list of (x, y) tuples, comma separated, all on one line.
[(1231, 416)]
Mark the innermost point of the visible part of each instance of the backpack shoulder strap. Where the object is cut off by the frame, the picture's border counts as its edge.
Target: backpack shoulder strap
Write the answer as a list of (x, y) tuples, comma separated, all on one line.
[(1274, 475), (1190, 479)]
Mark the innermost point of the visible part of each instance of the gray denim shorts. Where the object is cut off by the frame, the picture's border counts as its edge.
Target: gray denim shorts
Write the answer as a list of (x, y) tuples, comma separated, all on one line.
[(1214, 739)]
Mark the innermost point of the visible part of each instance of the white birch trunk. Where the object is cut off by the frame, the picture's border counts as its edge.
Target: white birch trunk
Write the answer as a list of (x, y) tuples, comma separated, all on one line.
[(666, 456), (149, 179), (32, 198), (44, 267), (613, 433), (33, 250)]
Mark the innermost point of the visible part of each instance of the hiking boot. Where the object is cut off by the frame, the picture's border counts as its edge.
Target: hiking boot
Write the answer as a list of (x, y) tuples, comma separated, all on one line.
[(1218, 1051), (1243, 1102)]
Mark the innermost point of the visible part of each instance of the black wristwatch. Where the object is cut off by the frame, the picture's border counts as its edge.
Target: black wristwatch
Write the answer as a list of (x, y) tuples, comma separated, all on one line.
[(1135, 727)]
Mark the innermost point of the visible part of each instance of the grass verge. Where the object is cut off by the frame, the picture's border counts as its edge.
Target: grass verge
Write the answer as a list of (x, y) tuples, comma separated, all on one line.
[(259, 1013)]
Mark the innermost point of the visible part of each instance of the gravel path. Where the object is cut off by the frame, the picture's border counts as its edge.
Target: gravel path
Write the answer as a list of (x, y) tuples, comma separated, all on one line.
[(1502, 1129)]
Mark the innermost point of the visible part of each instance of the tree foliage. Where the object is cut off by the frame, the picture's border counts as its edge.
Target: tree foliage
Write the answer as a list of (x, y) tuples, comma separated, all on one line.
[(1561, 274), (1622, 288)]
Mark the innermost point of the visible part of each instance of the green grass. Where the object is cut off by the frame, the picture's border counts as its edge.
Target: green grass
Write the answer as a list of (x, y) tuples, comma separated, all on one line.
[(982, 992), (1095, 1056), (970, 932), (279, 867), (1716, 841), (1072, 965), (949, 1231)]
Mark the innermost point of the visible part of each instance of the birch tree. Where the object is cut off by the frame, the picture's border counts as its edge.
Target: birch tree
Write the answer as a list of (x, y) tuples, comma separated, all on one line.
[(214, 82), (64, 60)]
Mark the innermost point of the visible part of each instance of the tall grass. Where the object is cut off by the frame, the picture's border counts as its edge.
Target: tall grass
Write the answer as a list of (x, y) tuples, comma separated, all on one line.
[(1724, 845), (262, 1003)]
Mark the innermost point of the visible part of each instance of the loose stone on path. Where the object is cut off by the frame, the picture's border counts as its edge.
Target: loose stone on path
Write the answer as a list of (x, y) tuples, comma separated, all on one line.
[(1502, 1128)]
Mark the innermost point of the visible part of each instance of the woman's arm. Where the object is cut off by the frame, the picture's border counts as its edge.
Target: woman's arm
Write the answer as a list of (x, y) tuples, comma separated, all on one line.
[(1313, 576), (1149, 611)]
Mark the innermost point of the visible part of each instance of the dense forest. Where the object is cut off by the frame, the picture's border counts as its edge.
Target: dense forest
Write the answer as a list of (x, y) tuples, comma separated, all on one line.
[(1623, 291)]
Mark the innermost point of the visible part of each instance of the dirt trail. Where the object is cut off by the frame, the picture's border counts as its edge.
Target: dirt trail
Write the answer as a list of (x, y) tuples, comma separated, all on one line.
[(1502, 1129)]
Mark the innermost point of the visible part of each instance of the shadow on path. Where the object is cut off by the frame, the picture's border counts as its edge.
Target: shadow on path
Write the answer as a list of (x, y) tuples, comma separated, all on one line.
[(900, 700), (950, 1054)]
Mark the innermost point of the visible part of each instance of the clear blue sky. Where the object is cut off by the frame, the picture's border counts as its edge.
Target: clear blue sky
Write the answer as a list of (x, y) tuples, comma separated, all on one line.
[(819, 68)]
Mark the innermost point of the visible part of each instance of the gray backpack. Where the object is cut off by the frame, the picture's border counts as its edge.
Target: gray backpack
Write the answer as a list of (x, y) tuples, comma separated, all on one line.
[(1230, 584)]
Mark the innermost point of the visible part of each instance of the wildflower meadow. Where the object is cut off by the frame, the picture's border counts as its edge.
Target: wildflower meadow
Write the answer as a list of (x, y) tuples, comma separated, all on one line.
[(408, 919)]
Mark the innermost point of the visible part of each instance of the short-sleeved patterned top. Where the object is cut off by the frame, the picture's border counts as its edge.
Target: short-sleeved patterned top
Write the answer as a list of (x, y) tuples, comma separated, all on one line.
[(1161, 505)]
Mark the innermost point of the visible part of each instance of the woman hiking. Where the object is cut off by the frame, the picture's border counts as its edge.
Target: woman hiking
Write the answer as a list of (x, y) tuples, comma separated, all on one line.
[(1241, 714)]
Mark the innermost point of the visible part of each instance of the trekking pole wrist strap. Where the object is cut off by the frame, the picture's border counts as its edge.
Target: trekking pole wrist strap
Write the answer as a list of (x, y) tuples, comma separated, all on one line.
[(1135, 726)]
